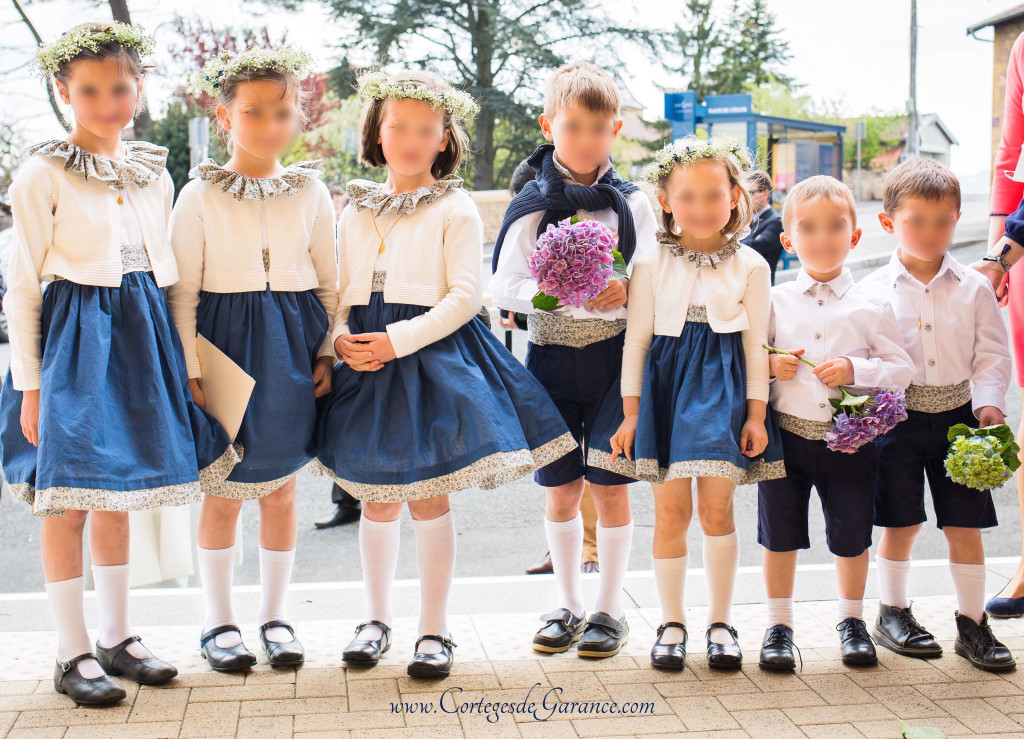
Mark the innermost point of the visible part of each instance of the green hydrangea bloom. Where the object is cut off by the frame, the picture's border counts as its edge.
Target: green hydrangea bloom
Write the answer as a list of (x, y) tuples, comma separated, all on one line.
[(976, 461)]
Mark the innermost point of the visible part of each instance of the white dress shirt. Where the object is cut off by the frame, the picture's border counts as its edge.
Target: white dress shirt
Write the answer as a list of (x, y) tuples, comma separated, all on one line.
[(951, 327), (513, 287), (829, 320)]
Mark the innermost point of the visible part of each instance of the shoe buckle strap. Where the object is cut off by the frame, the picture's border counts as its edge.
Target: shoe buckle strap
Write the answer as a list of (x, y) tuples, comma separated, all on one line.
[(606, 623), (561, 615)]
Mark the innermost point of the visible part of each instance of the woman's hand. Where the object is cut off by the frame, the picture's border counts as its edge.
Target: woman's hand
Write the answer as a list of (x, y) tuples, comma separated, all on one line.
[(753, 437), (783, 367), (30, 416), (993, 272), (622, 440), (835, 372), (322, 368), (612, 296), (198, 396), (355, 354)]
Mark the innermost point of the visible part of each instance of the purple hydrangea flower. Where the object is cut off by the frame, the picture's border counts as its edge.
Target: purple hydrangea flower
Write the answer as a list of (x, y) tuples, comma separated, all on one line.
[(851, 432), (890, 407), (573, 261)]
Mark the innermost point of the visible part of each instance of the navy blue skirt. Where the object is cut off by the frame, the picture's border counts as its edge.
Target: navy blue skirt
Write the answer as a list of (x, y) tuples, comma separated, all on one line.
[(693, 404), (118, 430), (458, 413), (275, 337)]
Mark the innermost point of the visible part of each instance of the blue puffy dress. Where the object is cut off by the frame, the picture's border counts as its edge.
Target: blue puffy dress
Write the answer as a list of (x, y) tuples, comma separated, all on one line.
[(118, 430)]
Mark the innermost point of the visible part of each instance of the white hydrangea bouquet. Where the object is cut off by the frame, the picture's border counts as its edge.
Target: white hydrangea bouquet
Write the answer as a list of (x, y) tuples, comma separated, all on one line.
[(982, 459)]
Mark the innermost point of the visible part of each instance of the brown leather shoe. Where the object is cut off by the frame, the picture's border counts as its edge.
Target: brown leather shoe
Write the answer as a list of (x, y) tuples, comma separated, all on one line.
[(544, 567)]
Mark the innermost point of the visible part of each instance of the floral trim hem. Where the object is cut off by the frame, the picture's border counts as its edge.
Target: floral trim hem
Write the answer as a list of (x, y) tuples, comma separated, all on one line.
[(649, 470), (289, 182), (217, 472), (54, 501), (546, 328), (368, 195), (142, 165), (700, 258), (938, 398), (486, 473), (250, 490)]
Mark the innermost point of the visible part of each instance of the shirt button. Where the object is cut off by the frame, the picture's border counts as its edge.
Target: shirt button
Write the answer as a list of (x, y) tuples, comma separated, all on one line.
[(927, 327), (821, 405), (931, 362), (817, 336), (821, 302)]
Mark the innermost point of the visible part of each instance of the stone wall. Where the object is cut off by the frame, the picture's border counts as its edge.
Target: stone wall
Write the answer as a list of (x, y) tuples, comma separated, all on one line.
[(492, 205)]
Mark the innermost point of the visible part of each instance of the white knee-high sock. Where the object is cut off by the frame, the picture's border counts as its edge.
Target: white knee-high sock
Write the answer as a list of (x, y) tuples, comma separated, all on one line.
[(435, 559), (66, 601), (969, 582), (780, 611), (216, 570), (111, 583), (613, 544), (670, 577), (565, 542), (275, 575), (721, 559), (892, 581), (378, 551)]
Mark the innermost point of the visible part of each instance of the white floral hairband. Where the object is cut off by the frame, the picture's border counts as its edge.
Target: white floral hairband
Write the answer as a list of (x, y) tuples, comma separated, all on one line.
[(691, 149), (51, 57), (286, 59), (379, 86)]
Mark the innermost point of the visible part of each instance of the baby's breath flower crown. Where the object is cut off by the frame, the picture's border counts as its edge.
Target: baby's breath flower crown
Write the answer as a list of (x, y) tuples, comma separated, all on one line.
[(378, 86), (51, 57), (285, 58), (689, 150)]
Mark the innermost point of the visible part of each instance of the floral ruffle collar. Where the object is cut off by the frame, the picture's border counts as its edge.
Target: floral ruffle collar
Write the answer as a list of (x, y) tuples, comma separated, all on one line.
[(365, 194), (700, 258), (241, 187), (142, 164)]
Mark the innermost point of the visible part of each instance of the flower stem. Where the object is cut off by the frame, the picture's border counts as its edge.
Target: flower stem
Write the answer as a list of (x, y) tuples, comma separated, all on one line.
[(773, 350)]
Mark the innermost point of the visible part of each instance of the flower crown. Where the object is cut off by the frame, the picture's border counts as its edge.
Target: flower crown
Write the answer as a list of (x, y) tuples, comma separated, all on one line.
[(50, 57), (689, 150), (283, 58), (379, 86)]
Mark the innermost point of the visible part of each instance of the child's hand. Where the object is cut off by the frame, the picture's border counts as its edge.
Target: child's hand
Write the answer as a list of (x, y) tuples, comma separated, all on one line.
[(622, 440), (355, 355), (753, 438), (835, 372), (989, 415), (612, 296), (782, 366), (378, 345), (322, 376), (198, 396), (30, 416)]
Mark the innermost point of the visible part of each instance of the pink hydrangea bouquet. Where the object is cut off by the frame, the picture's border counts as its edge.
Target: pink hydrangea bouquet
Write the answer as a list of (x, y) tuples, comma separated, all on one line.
[(574, 262), (858, 419)]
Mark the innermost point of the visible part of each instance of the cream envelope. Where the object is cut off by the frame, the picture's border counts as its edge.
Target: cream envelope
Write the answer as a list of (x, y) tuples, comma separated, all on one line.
[(227, 386), (1017, 175)]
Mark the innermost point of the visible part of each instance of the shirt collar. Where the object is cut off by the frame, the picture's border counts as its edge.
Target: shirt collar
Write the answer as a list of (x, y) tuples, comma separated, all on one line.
[(839, 285), (567, 175), (949, 264)]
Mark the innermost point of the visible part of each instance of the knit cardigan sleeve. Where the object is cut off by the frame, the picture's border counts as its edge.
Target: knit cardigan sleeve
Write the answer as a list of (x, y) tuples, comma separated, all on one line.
[(1007, 194), (323, 252), (188, 239), (639, 328), (757, 302), (462, 251), (341, 311)]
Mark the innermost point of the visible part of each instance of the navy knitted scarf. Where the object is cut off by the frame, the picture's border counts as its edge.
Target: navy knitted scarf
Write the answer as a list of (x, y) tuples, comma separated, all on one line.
[(560, 200)]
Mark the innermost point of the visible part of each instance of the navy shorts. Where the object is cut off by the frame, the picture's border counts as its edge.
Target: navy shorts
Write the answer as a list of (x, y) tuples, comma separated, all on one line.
[(845, 484), (578, 381), (914, 450)]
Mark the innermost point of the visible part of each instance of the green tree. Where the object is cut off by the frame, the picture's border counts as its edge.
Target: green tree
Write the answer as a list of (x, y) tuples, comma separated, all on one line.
[(172, 131), (752, 49), (698, 40), (498, 50)]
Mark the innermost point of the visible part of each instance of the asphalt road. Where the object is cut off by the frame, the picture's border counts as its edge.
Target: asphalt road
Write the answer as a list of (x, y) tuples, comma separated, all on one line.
[(500, 531)]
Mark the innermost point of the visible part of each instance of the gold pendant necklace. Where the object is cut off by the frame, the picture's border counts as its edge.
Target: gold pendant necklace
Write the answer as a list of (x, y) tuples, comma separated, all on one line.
[(383, 246)]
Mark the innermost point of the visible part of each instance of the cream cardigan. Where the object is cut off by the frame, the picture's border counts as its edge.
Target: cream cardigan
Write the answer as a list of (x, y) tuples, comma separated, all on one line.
[(219, 234), (737, 293), (435, 261), (67, 224)]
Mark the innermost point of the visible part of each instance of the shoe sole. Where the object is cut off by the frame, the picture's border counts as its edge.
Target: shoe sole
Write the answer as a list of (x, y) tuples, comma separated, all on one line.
[(287, 663), (776, 668), (548, 649), (151, 683), (227, 670), (599, 655), (883, 640), (427, 672), (981, 665), (91, 704), (860, 662), (1004, 616)]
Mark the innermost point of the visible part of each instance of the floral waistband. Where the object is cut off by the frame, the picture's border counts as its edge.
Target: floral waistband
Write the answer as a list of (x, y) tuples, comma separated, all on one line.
[(697, 314), (133, 257), (938, 398), (546, 328), (802, 427), (377, 284)]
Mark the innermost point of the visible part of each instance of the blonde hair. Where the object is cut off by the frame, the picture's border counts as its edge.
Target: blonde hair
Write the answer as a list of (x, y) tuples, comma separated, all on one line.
[(919, 178), (742, 212), (585, 85), (371, 153), (819, 186)]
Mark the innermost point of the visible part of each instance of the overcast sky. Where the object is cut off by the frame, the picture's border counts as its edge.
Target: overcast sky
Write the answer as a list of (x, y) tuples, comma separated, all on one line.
[(855, 53)]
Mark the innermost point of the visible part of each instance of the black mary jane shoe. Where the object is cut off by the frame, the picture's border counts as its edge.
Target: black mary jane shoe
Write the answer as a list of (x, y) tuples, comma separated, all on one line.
[(368, 651), (858, 649), (225, 659), (978, 645), (778, 650), (896, 629), (85, 691), (669, 656), (282, 653), (603, 637), (117, 660), (561, 629), (432, 665), (724, 656)]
